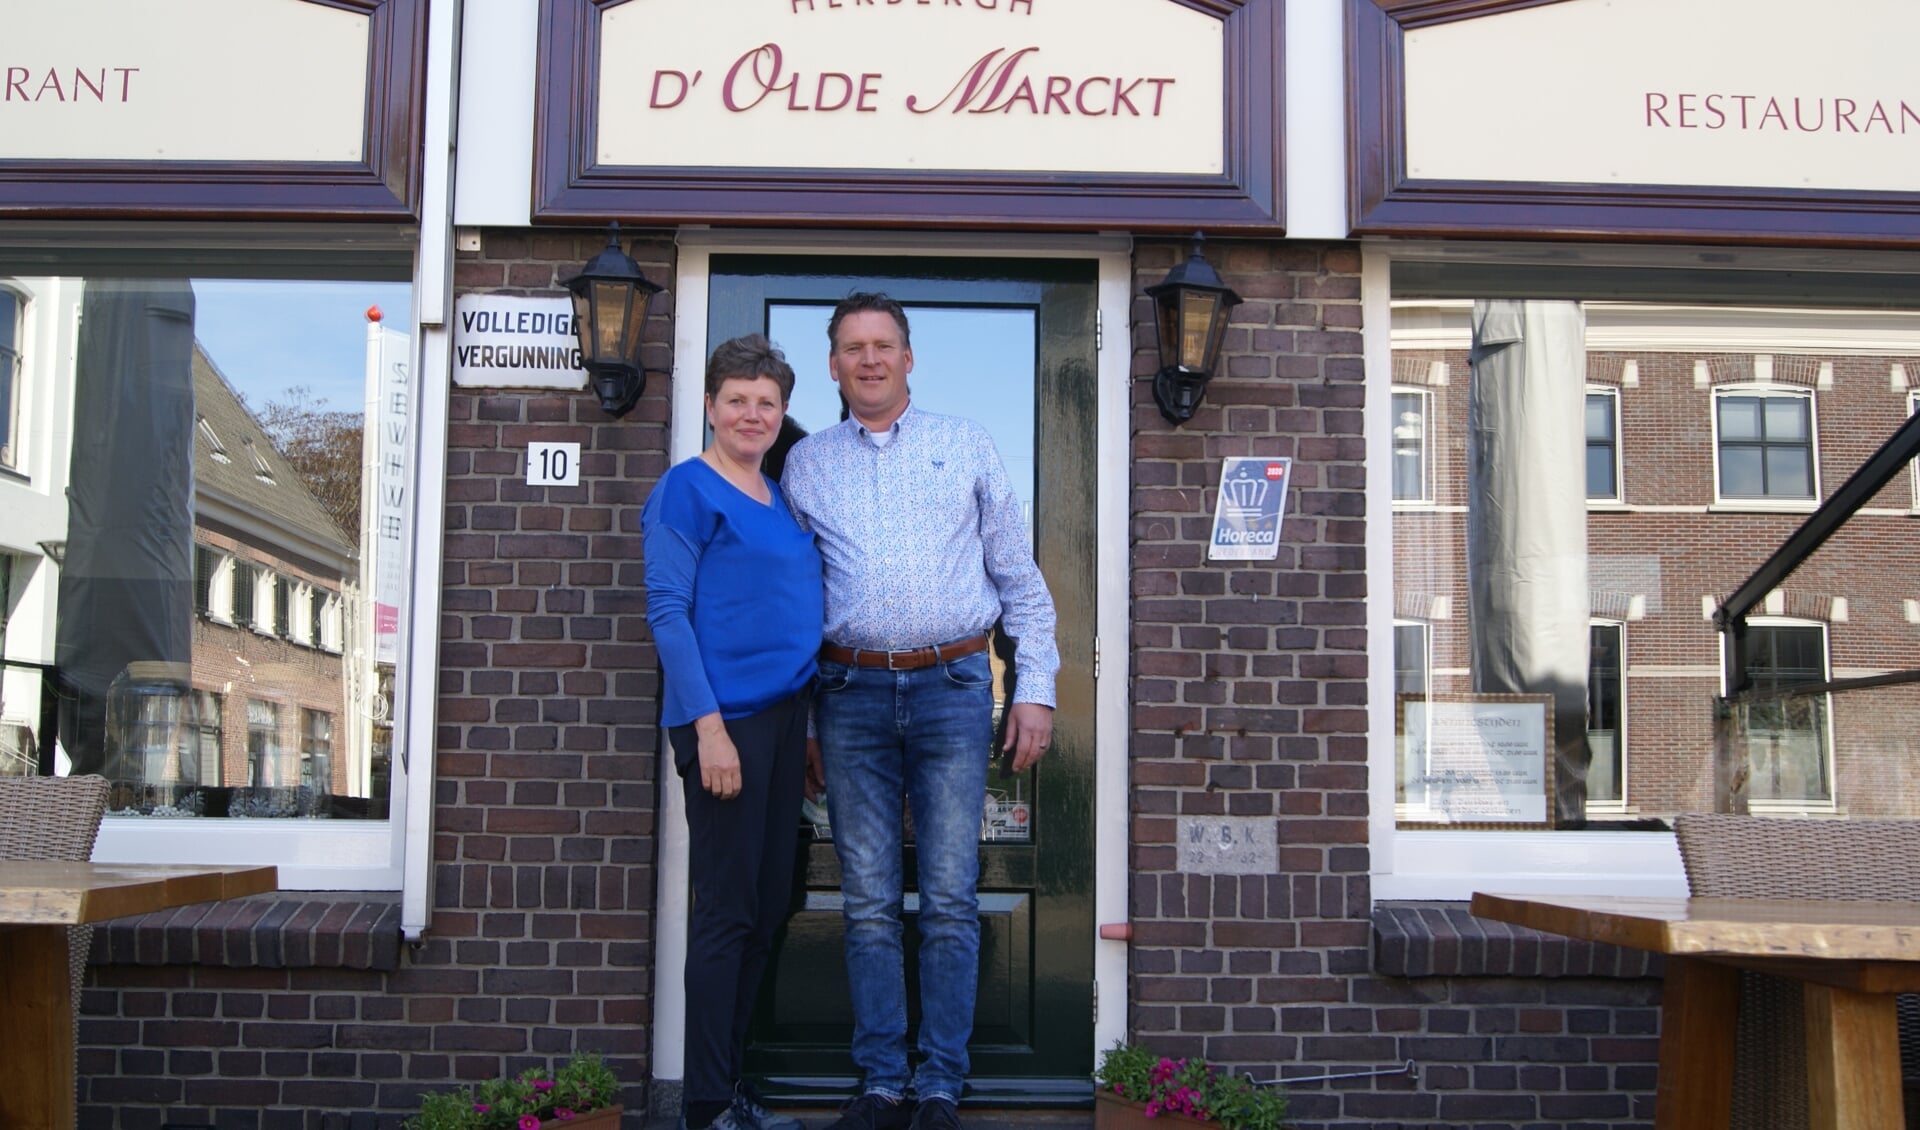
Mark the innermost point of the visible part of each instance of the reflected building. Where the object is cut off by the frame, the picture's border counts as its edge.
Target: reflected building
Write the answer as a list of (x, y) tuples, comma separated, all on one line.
[(180, 608), (1710, 435), (275, 582)]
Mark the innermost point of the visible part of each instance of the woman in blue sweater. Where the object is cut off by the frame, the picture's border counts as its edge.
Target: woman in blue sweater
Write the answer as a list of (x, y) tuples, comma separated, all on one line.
[(734, 600)]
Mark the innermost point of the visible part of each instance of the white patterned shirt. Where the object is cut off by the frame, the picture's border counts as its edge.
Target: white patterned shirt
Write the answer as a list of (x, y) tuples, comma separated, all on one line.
[(922, 541)]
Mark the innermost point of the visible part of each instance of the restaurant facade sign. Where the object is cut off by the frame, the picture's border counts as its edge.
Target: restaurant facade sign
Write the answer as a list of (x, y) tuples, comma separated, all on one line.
[(910, 107), (133, 80), (132, 107), (1003, 85), (1585, 118)]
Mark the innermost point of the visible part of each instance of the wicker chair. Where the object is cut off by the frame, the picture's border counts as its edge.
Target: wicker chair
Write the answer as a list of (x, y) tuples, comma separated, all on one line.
[(55, 819), (1728, 856)]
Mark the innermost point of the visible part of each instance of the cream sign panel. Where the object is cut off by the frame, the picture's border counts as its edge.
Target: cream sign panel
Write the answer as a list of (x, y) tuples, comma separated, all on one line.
[(1748, 93), (1103, 86), (136, 80)]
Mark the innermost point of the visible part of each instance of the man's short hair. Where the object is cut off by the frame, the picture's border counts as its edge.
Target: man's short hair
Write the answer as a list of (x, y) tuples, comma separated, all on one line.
[(861, 301), (749, 357)]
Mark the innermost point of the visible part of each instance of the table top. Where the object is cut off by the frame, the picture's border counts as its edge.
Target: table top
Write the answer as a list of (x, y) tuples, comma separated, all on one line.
[(71, 894), (1725, 928)]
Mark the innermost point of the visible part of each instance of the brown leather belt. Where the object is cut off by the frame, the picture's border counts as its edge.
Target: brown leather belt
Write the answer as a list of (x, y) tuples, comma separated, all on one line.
[(910, 660)]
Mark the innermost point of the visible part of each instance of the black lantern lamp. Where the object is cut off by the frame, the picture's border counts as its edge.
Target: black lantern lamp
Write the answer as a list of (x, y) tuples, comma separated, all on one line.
[(1190, 308), (610, 298)]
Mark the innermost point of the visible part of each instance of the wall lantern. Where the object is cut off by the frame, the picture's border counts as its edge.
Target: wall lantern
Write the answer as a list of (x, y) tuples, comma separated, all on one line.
[(610, 298), (1190, 308)]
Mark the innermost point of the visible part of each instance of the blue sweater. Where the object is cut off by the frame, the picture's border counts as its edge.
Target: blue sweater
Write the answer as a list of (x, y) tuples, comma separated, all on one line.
[(733, 595)]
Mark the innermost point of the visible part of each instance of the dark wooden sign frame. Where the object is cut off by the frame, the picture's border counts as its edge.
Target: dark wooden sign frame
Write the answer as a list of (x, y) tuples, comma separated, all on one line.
[(570, 187), (383, 186), (1384, 201)]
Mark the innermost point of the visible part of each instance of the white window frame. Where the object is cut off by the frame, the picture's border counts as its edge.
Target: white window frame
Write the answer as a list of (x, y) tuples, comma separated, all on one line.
[(1426, 648), (1767, 392), (1619, 494), (1620, 734), (13, 438), (1793, 807), (1913, 469), (220, 589), (1426, 496), (331, 623), (1426, 660), (1448, 863), (266, 599), (302, 618)]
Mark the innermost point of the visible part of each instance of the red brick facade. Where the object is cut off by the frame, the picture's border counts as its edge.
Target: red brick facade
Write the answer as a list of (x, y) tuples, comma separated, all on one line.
[(1248, 697)]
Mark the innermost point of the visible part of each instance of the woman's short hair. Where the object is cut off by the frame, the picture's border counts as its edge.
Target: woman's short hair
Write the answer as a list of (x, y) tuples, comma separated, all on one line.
[(749, 357)]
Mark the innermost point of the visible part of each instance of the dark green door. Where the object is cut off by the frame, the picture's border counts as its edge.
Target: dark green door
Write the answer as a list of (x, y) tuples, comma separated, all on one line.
[(1010, 344)]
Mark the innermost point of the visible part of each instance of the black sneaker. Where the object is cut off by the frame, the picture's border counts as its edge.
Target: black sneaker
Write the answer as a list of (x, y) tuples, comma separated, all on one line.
[(873, 1111), (749, 1113), (935, 1113), (728, 1119)]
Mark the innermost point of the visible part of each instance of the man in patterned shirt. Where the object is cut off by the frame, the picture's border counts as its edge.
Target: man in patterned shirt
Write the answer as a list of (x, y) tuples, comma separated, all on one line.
[(924, 549)]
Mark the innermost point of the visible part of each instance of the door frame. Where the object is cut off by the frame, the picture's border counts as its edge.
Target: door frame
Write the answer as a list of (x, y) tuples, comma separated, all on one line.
[(1114, 256)]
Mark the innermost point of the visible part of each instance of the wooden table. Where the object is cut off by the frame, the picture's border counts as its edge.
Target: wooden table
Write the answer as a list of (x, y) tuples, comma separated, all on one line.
[(1851, 958), (38, 901)]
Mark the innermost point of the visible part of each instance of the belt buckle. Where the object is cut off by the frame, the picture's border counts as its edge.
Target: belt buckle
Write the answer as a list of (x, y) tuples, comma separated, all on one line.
[(892, 656)]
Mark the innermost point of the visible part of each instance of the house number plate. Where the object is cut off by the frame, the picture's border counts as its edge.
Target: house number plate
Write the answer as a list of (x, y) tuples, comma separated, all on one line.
[(553, 464)]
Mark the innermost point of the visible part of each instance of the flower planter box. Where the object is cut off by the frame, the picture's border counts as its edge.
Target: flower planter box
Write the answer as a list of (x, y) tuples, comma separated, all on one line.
[(1111, 1112), (606, 1118)]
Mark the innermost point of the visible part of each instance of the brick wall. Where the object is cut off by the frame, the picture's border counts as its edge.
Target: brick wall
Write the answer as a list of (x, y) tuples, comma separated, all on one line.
[(1249, 698), (1248, 686)]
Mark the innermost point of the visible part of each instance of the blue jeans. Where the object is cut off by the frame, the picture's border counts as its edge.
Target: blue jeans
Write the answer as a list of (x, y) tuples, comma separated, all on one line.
[(927, 734)]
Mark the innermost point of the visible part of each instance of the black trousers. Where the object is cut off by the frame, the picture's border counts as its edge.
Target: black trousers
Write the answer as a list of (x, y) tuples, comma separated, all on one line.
[(740, 864)]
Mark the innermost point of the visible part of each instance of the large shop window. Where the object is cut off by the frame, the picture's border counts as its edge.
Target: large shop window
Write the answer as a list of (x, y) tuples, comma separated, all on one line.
[(1710, 427), (204, 609)]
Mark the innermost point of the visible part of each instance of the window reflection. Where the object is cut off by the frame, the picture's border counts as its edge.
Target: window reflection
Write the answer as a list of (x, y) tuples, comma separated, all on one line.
[(216, 630), (1707, 456), (1766, 446)]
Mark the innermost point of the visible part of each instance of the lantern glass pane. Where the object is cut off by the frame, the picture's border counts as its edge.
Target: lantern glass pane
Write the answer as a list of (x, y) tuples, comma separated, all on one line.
[(639, 298), (1166, 320), (1223, 313), (610, 301), (583, 323), (1196, 327)]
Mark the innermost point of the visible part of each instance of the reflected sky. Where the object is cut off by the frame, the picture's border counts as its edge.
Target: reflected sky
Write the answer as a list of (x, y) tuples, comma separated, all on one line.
[(268, 336), (974, 362)]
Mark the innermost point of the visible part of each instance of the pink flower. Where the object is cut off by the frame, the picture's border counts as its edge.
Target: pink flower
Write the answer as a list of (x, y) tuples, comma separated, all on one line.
[(529, 1122), (543, 1084), (563, 1112), (481, 1108)]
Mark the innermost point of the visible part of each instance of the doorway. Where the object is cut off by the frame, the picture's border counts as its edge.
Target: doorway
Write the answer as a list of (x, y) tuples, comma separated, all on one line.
[(1011, 344)]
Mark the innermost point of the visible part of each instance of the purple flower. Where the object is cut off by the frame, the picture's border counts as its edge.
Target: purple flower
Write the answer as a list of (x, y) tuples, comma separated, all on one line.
[(543, 1084), (481, 1108), (528, 1122), (563, 1112)]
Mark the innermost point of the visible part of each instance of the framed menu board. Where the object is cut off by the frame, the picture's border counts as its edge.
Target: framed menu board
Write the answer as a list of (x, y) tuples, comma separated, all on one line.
[(1475, 761)]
